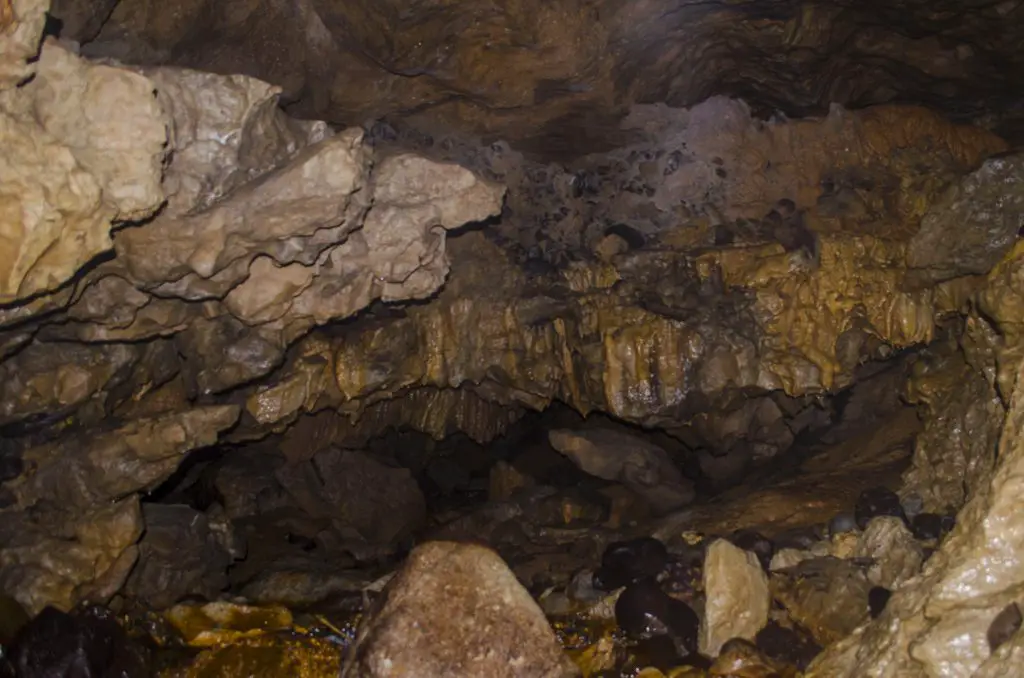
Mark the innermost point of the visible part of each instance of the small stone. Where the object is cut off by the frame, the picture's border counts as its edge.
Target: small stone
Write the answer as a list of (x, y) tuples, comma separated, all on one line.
[(1004, 626), (877, 501), (913, 505), (826, 596), (741, 658), (756, 543), (844, 522), (786, 645), (788, 558)]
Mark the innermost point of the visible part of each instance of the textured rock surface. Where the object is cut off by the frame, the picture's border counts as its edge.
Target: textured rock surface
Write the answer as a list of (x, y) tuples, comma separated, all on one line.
[(737, 596), (357, 492), (896, 554), (85, 144), (937, 623), (457, 610), (969, 230), (179, 555), (70, 526), (826, 596), (639, 465), (552, 77)]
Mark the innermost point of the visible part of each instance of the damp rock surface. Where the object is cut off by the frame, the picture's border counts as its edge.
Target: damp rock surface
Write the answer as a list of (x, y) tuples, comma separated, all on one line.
[(457, 610)]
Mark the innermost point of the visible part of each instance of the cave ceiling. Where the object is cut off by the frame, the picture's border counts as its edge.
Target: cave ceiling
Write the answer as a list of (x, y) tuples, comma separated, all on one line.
[(554, 78)]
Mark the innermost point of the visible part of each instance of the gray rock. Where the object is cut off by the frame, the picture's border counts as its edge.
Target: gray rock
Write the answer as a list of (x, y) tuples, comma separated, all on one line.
[(971, 228)]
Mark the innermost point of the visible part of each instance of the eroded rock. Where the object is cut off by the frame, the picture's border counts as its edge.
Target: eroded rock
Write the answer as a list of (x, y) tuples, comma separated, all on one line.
[(380, 503), (85, 146), (179, 556), (456, 610), (641, 466), (896, 554), (826, 596)]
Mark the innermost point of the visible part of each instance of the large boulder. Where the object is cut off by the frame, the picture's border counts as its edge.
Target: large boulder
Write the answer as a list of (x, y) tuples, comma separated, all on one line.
[(456, 610)]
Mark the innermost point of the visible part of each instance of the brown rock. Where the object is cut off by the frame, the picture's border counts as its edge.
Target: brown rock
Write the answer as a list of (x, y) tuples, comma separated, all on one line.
[(382, 504), (826, 596), (456, 610), (643, 467)]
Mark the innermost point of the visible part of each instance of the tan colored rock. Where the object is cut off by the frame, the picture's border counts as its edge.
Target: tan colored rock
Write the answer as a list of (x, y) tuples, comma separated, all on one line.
[(975, 223), (207, 253), (737, 596), (896, 554), (55, 378), (826, 596), (136, 457), (85, 145), (784, 558), (937, 623), (21, 24), (955, 450), (457, 610), (71, 530), (58, 558), (642, 466)]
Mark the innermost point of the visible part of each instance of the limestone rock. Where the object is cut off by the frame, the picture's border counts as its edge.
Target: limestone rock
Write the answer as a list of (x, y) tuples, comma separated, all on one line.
[(227, 130), (59, 558), (737, 597), (938, 622), (969, 230), (643, 467), (955, 451), (21, 24), (826, 596), (85, 146), (382, 504), (456, 610), (44, 379), (896, 554), (178, 556), (520, 78), (136, 457), (71, 532)]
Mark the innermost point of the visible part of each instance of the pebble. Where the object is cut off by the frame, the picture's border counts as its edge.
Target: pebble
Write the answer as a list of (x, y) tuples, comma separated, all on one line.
[(841, 524), (1004, 626)]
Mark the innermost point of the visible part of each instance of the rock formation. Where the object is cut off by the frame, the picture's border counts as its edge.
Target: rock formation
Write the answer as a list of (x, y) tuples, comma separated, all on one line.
[(560, 204)]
